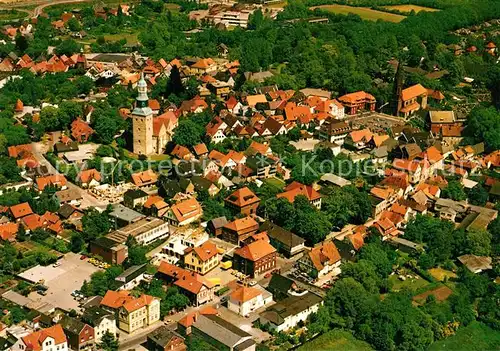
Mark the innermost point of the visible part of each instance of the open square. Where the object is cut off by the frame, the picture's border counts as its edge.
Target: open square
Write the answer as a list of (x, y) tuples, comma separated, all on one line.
[(61, 281)]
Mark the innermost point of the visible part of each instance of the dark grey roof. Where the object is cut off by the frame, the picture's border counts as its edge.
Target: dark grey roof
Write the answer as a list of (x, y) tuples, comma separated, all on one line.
[(201, 183), (134, 194), (220, 330), (280, 284), (290, 306), (162, 336), (61, 147), (5, 344), (219, 222), (105, 242), (125, 214), (94, 315), (132, 273), (66, 210), (282, 235), (72, 325)]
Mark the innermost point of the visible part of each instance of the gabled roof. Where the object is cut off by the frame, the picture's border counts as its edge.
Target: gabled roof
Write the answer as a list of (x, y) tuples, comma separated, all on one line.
[(21, 210), (242, 197), (57, 180), (242, 224), (295, 188), (362, 135), (205, 251), (413, 92), (35, 340), (88, 175), (186, 209), (326, 254), (143, 178), (253, 100), (244, 294), (138, 303), (255, 250), (357, 97), (116, 299)]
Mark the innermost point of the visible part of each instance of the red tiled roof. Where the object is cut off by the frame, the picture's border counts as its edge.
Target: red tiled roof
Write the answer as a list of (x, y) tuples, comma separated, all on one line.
[(256, 250), (242, 197), (21, 210), (244, 294), (326, 254), (116, 299), (57, 180), (8, 230), (88, 175), (294, 189), (35, 340), (413, 92), (206, 251), (186, 209)]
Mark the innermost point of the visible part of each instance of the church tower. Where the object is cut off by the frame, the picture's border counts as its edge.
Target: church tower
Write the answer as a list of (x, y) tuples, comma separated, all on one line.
[(142, 121)]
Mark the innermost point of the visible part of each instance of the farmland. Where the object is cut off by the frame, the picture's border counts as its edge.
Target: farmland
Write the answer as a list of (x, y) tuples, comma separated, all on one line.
[(363, 12), (409, 8)]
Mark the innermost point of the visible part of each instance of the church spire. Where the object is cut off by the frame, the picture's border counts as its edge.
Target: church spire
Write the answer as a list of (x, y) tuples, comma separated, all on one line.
[(142, 88)]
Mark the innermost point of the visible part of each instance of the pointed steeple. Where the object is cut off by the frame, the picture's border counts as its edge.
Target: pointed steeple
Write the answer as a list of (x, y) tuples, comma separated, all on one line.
[(141, 103), (142, 88)]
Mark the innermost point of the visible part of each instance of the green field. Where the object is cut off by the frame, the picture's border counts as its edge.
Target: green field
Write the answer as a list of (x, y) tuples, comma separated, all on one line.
[(336, 340), (411, 284), (363, 12), (409, 8), (9, 15), (475, 337), (275, 182)]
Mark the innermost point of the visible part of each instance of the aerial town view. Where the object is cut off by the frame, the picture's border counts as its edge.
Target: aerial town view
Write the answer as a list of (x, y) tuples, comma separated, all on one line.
[(253, 175)]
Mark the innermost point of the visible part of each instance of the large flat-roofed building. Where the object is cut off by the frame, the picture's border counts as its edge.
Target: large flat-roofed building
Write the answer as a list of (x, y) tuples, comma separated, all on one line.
[(109, 250), (143, 231)]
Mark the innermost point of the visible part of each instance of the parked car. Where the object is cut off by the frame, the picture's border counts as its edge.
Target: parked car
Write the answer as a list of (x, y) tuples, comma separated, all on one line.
[(82, 257), (253, 282), (57, 264)]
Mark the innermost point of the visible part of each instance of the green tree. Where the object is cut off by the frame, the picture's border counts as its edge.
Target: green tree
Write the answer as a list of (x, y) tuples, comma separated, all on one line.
[(108, 342), (188, 133), (479, 242), (174, 83), (77, 243), (454, 191), (95, 224)]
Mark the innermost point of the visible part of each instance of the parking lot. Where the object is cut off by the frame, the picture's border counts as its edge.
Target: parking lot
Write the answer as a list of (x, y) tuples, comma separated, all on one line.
[(61, 281)]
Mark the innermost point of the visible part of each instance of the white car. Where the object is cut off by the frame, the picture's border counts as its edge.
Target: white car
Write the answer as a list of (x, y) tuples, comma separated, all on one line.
[(57, 264), (253, 282)]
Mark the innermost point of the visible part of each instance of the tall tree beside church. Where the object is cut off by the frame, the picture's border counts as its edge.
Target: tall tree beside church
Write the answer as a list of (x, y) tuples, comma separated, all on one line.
[(174, 83)]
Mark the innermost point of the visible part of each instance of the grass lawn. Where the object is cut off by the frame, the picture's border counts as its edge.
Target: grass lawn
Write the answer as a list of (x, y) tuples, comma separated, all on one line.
[(363, 12), (275, 182), (276, 5), (172, 7), (475, 337), (412, 284), (336, 340), (130, 37), (410, 8), (440, 274), (9, 15)]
